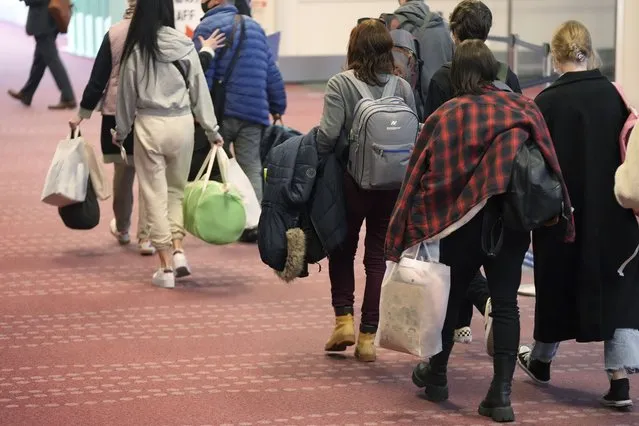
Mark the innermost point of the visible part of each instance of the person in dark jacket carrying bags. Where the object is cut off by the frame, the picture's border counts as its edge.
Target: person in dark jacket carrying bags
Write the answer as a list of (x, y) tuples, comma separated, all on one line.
[(461, 156), (587, 291), (42, 27), (370, 64), (432, 34), (254, 88), (470, 20), (102, 90)]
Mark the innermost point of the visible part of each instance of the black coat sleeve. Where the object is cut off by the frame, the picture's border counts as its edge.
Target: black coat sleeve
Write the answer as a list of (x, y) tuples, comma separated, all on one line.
[(205, 60), (99, 79), (436, 97), (513, 81)]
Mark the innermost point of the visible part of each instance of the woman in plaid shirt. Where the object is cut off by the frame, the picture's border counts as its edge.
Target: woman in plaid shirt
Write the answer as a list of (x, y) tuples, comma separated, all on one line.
[(462, 161)]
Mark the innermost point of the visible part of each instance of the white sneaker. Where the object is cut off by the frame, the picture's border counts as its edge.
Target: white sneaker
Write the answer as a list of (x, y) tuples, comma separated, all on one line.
[(146, 248), (488, 329), (123, 237), (180, 265), (164, 279)]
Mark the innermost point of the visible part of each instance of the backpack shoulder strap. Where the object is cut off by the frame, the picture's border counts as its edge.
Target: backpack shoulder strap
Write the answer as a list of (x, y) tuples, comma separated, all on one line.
[(502, 86), (502, 74), (390, 87), (182, 71), (239, 19), (361, 87)]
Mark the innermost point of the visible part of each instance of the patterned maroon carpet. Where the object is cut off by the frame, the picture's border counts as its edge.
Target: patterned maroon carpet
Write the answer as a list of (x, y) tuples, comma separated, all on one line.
[(86, 340)]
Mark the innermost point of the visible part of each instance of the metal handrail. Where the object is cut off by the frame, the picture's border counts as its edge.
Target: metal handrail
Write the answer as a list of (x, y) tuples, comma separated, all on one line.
[(513, 41)]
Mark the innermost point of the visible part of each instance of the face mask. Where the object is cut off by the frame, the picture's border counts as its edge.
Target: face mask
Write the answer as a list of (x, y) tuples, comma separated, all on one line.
[(205, 6)]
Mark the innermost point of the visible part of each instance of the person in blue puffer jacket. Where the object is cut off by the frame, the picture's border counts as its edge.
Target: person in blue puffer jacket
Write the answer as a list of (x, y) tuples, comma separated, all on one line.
[(254, 90)]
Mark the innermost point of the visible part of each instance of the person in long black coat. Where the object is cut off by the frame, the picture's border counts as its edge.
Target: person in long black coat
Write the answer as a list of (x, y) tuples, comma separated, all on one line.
[(580, 294)]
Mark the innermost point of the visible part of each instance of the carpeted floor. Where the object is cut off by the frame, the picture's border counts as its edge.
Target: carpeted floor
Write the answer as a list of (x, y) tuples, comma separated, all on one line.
[(86, 340)]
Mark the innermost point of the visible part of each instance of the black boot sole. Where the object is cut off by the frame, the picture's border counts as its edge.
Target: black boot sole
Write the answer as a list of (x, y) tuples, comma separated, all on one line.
[(498, 414), (434, 393)]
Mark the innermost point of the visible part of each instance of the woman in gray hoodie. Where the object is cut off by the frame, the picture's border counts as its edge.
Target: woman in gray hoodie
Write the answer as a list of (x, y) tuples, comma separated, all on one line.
[(162, 86)]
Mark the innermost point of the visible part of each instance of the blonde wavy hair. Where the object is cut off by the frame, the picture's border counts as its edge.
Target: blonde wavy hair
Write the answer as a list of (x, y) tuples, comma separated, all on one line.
[(572, 42)]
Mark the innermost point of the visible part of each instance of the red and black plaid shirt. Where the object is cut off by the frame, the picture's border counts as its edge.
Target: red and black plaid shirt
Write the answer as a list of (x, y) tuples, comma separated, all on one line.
[(463, 156)]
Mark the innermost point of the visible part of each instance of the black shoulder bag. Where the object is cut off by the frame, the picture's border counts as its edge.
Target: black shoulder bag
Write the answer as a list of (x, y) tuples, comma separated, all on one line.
[(218, 91)]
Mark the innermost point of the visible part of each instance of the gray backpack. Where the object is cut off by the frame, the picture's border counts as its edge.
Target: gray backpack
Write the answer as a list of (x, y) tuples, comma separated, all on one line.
[(382, 137)]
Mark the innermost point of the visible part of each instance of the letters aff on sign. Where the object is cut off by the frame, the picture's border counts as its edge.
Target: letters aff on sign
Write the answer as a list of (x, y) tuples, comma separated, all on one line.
[(187, 15)]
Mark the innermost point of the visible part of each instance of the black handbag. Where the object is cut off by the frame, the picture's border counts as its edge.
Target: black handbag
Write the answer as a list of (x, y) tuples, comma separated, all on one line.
[(218, 91), (84, 215), (534, 195)]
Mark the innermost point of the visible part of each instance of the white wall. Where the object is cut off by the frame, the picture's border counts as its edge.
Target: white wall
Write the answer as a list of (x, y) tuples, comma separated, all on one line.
[(627, 54), (13, 11), (322, 27)]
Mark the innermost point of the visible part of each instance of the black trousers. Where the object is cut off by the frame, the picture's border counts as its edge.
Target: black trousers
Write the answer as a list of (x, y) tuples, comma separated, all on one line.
[(476, 297), (46, 56), (464, 254)]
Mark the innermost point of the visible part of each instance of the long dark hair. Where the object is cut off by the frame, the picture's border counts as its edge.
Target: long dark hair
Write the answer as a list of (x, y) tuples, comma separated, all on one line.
[(148, 18), (474, 68), (370, 52)]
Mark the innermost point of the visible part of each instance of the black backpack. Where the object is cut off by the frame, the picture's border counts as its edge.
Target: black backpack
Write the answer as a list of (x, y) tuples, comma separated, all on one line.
[(84, 215), (534, 195)]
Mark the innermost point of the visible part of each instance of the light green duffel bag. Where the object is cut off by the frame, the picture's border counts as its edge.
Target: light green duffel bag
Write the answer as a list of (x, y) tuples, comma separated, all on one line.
[(213, 211)]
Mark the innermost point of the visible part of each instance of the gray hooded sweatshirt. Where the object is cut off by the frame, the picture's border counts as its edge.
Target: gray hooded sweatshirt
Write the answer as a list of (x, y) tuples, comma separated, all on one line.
[(161, 90), (431, 31)]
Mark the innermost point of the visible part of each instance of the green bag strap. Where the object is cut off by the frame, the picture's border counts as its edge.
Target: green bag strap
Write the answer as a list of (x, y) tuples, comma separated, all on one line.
[(502, 75), (207, 165)]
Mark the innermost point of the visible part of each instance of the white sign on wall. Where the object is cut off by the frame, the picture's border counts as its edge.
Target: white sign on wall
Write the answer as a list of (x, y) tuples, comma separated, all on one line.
[(187, 15)]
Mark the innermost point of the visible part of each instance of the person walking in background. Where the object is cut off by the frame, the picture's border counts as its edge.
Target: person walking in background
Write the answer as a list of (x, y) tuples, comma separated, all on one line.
[(435, 45), (41, 26), (471, 19), (161, 87), (253, 90), (587, 290), (102, 89), (370, 59)]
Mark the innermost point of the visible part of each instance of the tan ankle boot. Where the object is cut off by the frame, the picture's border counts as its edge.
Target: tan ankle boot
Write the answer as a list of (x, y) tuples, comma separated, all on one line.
[(343, 336), (365, 350)]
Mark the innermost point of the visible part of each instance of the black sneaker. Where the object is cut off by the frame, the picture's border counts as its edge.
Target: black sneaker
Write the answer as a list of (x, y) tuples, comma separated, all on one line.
[(619, 395), (538, 371), (249, 236), (434, 383)]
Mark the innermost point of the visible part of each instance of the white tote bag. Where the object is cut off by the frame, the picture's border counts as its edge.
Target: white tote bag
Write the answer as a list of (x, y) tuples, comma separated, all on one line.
[(241, 182), (100, 181), (413, 304), (68, 176)]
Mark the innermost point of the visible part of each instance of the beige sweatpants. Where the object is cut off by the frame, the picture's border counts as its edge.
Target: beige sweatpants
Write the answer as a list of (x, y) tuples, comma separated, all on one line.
[(162, 152)]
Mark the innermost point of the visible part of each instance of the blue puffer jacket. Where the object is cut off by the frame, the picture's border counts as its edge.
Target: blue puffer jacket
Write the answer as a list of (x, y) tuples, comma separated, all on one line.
[(255, 88)]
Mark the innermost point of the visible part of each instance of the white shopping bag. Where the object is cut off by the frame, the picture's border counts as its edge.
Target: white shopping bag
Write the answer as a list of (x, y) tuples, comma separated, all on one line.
[(68, 176), (101, 183), (413, 304), (238, 178)]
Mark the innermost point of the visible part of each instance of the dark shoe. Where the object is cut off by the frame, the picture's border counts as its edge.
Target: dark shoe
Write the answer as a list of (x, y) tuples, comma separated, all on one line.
[(538, 371), (619, 395), (433, 380), (20, 97), (496, 404), (63, 105), (249, 236)]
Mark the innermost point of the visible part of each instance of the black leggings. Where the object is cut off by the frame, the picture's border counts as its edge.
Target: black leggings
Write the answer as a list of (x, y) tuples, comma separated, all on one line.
[(463, 253)]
